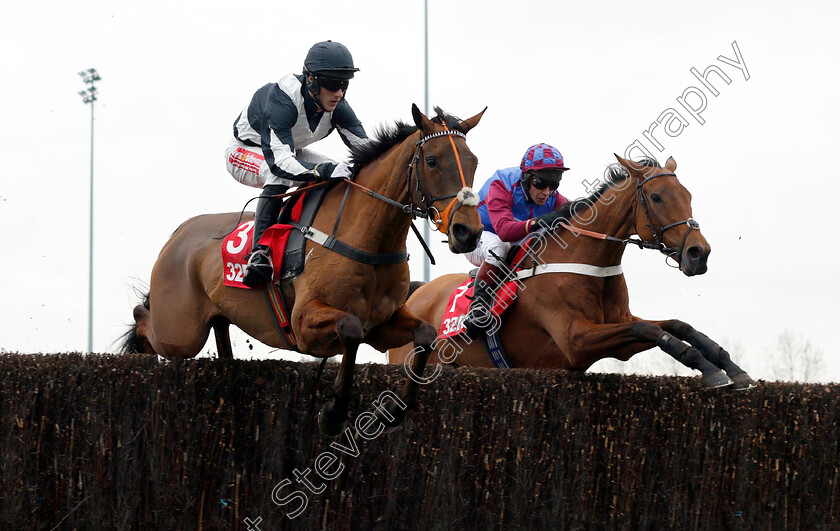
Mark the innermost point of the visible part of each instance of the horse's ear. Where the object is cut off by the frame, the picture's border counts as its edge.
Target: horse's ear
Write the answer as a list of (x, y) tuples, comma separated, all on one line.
[(420, 120), (670, 164), (633, 167), (624, 162), (469, 123)]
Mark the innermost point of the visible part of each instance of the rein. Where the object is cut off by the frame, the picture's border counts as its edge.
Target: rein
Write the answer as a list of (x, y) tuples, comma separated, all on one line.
[(297, 191), (592, 234), (441, 219), (407, 208), (428, 211)]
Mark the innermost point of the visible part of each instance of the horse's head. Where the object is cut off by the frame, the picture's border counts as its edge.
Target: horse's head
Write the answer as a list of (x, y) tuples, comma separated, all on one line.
[(443, 170), (663, 214)]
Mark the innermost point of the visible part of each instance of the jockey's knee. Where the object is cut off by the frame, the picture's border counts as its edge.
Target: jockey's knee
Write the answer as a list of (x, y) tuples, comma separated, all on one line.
[(495, 254), (246, 166)]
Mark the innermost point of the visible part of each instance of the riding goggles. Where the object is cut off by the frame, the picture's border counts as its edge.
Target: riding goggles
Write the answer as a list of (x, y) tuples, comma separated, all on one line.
[(541, 184), (333, 84)]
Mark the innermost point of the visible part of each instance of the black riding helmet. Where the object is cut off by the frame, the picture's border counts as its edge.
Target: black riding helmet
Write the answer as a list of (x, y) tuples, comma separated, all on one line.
[(330, 64)]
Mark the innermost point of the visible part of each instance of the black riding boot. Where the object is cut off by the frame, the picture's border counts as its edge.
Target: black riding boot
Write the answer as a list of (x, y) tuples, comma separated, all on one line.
[(260, 268), (479, 318)]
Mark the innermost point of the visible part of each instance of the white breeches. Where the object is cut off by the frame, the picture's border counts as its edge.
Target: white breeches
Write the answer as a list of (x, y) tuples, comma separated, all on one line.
[(247, 164), (482, 253)]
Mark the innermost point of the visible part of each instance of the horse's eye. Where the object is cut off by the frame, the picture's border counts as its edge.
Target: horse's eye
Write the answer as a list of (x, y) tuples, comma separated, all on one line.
[(431, 161), (655, 198)]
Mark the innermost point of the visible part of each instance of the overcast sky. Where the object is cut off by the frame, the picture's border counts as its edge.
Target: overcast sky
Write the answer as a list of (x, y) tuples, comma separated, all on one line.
[(589, 78)]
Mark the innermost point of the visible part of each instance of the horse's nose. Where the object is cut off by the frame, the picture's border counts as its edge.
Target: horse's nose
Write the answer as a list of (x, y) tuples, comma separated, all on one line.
[(466, 239), (695, 258)]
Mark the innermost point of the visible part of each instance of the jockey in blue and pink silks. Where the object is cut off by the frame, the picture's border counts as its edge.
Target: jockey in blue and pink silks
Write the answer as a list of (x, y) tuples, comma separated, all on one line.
[(511, 203)]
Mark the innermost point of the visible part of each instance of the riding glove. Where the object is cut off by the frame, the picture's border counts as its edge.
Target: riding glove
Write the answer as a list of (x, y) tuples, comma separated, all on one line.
[(331, 170), (546, 220)]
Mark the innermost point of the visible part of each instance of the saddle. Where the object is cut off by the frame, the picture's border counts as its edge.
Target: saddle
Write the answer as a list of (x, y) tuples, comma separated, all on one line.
[(286, 242), (294, 256), (458, 306)]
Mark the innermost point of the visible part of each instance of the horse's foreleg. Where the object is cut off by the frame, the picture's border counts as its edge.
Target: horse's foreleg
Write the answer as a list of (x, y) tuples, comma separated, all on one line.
[(710, 349), (320, 324), (403, 327), (590, 342), (221, 330)]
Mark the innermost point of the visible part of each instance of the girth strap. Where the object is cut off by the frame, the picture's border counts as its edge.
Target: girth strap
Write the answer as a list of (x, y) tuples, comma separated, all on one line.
[(578, 269)]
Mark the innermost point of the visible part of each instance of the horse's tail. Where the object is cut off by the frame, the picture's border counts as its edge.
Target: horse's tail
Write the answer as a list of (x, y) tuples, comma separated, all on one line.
[(134, 340), (413, 285)]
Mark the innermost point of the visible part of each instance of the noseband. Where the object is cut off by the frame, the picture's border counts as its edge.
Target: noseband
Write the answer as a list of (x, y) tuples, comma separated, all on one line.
[(653, 222), (466, 196)]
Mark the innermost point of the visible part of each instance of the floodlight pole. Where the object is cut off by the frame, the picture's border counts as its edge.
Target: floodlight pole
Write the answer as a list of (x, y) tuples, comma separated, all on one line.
[(426, 235), (90, 76)]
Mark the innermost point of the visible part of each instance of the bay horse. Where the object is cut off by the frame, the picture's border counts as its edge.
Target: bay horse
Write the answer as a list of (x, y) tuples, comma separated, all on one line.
[(336, 303), (570, 320)]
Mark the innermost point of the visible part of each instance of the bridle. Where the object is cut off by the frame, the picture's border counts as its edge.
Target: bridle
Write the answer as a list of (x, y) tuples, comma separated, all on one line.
[(441, 220), (466, 196), (653, 222)]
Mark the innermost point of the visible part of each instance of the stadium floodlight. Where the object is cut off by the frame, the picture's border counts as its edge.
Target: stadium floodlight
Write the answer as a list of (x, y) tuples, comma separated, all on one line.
[(89, 77)]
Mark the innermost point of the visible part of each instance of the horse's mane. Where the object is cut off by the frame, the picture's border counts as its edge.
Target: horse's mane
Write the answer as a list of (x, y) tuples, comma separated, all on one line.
[(387, 137), (616, 174)]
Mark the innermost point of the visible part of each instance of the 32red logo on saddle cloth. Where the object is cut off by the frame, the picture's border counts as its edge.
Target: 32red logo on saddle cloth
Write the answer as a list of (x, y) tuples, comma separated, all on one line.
[(459, 305), (237, 245)]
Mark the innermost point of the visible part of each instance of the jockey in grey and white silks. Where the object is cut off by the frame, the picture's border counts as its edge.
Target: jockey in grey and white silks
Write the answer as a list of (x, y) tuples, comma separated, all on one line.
[(281, 119), (270, 136)]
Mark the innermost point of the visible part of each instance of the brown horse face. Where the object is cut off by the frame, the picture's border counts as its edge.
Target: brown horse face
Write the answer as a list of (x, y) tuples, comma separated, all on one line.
[(669, 215), (447, 169)]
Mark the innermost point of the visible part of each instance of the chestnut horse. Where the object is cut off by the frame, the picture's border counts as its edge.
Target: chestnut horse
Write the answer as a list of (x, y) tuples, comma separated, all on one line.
[(570, 320), (336, 303)]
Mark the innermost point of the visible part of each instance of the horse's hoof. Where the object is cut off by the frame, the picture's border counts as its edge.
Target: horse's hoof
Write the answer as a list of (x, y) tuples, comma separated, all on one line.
[(392, 425), (743, 382), (392, 420), (717, 379), (328, 427), (390, 429)]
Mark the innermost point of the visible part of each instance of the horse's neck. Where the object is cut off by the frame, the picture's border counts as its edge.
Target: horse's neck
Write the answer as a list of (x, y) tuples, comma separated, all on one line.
[(613, 216), (383, 227)]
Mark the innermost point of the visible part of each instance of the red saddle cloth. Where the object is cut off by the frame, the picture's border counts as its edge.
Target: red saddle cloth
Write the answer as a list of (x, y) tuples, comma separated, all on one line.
[(238, 244), (459, 305)]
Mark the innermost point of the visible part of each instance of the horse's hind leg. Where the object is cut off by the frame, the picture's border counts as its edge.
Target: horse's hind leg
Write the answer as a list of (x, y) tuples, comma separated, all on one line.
[(710, 349), (177, 331), (591, 342), (319, 321), (402, 328)]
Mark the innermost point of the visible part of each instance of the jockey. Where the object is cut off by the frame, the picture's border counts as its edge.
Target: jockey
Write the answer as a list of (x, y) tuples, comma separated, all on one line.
[(282, 118), (511, 203)]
